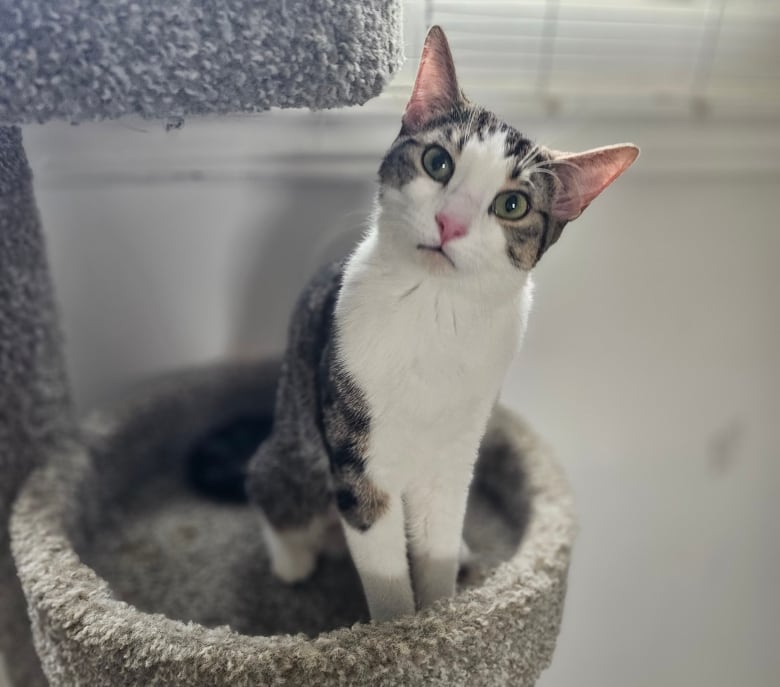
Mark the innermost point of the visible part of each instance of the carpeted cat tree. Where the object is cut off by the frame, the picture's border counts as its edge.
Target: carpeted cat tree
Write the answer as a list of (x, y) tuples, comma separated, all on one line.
[(112, 571)]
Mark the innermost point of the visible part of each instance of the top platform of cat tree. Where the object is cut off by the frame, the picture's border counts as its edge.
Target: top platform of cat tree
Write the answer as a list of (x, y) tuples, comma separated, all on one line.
[(85, 60)]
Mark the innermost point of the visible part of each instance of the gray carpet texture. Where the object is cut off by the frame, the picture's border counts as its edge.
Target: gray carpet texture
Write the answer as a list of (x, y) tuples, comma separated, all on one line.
[(133, 578), (81, 60), (35, 410)]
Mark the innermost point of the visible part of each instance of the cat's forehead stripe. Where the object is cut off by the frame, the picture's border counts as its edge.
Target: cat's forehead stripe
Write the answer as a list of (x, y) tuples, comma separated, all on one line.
[(466, 121), (485, 166)]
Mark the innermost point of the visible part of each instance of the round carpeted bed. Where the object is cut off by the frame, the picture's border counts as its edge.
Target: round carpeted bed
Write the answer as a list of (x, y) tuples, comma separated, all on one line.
[(134, 578)]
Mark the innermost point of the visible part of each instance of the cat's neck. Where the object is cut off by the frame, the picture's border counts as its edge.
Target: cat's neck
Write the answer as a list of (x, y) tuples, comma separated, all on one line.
[(392, 317)]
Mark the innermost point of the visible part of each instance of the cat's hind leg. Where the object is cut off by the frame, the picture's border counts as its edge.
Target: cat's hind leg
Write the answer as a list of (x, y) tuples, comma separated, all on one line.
[(293, 551), (291, 487)]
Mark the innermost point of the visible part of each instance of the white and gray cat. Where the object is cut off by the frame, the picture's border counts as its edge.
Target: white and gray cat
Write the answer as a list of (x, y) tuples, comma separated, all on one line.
[(396, 357)]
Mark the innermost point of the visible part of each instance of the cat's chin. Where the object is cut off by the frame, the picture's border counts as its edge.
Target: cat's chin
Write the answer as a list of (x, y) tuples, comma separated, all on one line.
[(436, 258)]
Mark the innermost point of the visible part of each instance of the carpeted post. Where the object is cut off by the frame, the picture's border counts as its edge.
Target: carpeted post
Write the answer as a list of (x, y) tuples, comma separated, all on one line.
[(35, 408), (87, 60)]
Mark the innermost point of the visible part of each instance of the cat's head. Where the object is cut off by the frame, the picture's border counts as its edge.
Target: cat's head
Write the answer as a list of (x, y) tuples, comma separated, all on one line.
[(463, 193)]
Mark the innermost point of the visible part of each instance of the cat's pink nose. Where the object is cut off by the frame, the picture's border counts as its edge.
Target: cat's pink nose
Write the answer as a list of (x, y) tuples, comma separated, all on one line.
[(450, 227)]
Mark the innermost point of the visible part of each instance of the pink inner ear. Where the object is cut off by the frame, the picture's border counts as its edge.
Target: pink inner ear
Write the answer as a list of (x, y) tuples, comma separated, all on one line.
[(436, 86), (583, 176)]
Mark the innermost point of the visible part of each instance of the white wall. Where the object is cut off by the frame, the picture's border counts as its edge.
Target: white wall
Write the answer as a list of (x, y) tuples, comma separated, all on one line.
[(653, 366), (651, 363)]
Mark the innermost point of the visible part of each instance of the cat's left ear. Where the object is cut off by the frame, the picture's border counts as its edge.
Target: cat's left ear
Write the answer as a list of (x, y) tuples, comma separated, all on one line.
[(436, 86), (583, 176)]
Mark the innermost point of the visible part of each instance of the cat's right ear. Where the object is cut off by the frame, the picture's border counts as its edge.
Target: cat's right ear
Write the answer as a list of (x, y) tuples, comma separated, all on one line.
[(436, 86), (583, 176)]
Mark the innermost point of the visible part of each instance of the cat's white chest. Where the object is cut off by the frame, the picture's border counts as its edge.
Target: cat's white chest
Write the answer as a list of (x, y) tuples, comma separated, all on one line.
[(424, 347), (430, 367)]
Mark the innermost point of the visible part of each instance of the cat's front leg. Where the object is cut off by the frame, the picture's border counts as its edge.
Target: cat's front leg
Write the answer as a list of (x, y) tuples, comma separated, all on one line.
[(379, 552), (435, 512)]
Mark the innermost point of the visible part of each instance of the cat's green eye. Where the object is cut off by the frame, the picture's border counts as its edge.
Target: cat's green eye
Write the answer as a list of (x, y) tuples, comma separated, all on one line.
[(438, 163), (511, 205)]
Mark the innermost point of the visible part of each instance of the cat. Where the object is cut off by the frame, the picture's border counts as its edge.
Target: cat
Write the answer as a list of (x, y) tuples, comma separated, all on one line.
[(396, 356)]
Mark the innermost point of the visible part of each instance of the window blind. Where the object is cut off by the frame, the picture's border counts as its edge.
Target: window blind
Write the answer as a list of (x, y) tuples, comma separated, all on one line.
[(689, 57)]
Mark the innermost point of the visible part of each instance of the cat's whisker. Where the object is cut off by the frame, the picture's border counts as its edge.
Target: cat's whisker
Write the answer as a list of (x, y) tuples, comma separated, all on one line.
[(541, 169), (529, 155), (563, 162)]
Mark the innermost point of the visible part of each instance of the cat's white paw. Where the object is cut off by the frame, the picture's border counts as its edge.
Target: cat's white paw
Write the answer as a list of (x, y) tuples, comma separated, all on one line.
[(293, 565), (293, 552)]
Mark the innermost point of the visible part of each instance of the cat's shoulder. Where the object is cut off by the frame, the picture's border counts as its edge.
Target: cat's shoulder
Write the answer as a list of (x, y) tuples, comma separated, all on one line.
[(323, 287)]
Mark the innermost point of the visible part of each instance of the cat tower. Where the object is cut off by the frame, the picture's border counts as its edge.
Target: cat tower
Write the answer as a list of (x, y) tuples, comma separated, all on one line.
[(112, 571)]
